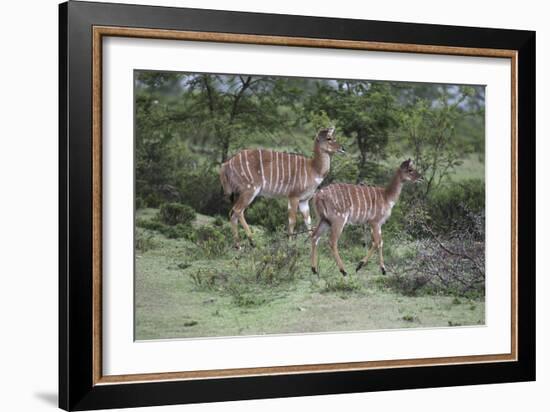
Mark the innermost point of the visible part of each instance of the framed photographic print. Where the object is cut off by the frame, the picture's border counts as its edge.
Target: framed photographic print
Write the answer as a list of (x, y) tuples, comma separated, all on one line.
[(257, 205)]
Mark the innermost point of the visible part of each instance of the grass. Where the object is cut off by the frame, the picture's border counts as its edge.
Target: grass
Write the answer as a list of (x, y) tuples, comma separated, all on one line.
[(180, 292)]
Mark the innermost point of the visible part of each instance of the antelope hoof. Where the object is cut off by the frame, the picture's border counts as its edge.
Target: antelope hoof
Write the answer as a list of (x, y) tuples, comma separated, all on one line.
[(252, 244), (314, 270), (383, 269), (237, 246), (343, 272), (359, 266)]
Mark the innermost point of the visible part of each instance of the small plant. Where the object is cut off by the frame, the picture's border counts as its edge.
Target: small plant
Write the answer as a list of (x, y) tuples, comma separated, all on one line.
[(211, 240), (144, 241), (270, 214), (277, 262), (176, 213), (341, 284), (208, 279), (409, 318), (171, 232), (218, 221)]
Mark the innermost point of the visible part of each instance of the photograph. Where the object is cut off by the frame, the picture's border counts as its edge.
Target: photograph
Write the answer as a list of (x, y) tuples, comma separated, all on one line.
[(270, 205), (259, 205)]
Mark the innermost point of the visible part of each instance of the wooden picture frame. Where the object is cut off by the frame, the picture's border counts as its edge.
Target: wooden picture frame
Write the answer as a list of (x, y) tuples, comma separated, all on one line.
[(82, 385)]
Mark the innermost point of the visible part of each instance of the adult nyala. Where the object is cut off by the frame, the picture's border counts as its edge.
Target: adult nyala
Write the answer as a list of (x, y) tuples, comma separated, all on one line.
[(262, 172)]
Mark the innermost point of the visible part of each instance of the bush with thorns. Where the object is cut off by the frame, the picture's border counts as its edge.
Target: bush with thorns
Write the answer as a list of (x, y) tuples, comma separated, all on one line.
[(450, 263)]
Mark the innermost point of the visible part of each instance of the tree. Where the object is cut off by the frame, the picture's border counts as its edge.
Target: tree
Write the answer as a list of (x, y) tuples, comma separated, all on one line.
[(364, 111), (226, 105), (430, 127)]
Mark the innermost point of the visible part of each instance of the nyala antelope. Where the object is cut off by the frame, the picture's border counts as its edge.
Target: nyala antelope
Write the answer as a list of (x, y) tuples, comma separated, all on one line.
[(340, 204), (260, 172)]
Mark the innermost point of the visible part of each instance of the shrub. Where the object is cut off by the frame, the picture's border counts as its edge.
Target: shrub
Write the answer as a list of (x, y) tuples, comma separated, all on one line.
[(269, 213), (201, 189), (140, 203), (178, 231), (144, 241), (176, 213), (212, 240), (152, 200), (218, 221), (341, 284), (171, 232), (277, 261), (353, 236), (455, 206), (150, 225)]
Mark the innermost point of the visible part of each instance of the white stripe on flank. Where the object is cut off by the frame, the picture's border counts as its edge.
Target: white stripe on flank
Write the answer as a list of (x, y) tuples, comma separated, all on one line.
[(370, 203), (247, 167), (352, 203), (289, 172), (234, 170), (283, 172), (278, 181), (277, 177), (295, 170), (261, 168), (364, 206), (367, 191), (340, 195), (375, 201), (281, 166), (271, 171), (243, 174), (301, 188), (305, 174), (282, 188), (333, 196), (356, 202)]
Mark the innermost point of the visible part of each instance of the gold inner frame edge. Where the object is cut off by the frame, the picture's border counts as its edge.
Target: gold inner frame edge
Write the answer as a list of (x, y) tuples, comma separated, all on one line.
[(101, 31)]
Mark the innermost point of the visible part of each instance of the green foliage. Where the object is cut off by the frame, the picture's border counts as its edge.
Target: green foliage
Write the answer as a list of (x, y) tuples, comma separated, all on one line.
[(171, 232), (144, 241), (342, 284), (353, 236), (271, 214), (176, 213), (213, 240), (364, 111), (201, 189), (277, 262), (320, 119), (455, 206), (430, 127)]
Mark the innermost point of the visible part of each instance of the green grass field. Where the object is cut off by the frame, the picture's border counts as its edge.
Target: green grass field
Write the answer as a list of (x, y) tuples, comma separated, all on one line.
[(184, 289)]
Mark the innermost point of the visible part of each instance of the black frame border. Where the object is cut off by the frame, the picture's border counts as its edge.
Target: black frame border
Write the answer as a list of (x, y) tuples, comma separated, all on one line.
[(76, 388)]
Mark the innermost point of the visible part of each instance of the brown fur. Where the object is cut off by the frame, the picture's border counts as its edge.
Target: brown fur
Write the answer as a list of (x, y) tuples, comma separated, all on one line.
[(260, 172), (340, 204)]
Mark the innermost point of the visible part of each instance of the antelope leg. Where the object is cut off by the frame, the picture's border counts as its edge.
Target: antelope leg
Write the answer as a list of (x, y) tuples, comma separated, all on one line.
[(317, 233), (336, 231), (304, 209), (292, 208)]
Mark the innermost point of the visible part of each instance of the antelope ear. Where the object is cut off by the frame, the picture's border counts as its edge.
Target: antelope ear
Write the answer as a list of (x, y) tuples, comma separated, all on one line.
[(322, 134), (405, 164)]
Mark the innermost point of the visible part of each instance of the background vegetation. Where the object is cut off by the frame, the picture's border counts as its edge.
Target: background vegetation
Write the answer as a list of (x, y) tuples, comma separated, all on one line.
[(189, 280)]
